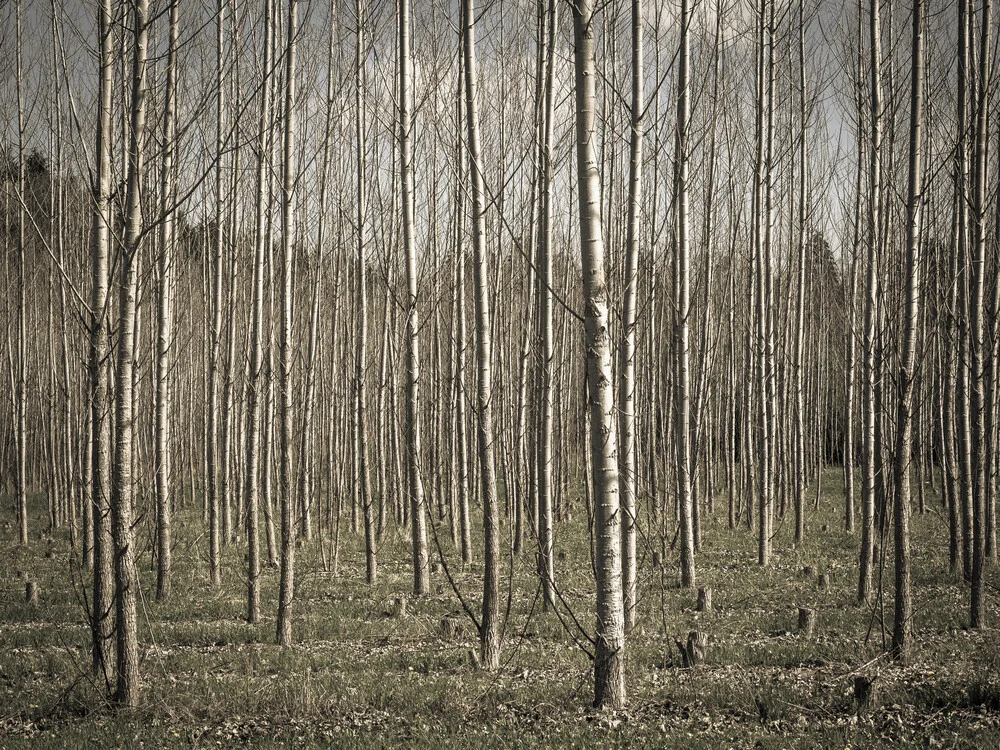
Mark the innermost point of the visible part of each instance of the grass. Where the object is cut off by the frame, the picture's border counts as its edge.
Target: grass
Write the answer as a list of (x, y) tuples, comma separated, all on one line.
[(360, 677)]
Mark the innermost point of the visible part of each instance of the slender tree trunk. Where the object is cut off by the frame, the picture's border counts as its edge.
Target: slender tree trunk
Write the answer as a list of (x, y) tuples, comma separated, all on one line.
[(304, 494), (253, 425), (215, 534), (799, 449), (906, 376), (762, 296), (626, 353), (850, 380), (546, 415), (992, 393), (527, 468), (100, 369), (86, 476), (361, 367), (267, 451), (123, 483), (489, 635), (980, 458), (963, 355), (20, 389), (870, 403), (682, 302), (164, 319), (418, 518), (286, 591), (461, 434), (609, 657)]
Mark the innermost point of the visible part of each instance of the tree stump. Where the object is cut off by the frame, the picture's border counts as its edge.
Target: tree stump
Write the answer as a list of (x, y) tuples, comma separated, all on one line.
[(807, 621), (31, 593), (397, 607), (865, 693), (452, 627), (704, 599), (695, 650), (824, 581)]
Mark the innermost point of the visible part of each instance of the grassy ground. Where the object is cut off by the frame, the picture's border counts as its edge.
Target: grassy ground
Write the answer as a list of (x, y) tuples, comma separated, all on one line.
[(361, 677)]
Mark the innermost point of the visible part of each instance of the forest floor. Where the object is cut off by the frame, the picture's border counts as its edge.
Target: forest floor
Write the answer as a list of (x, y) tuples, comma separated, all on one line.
[(360, 676)]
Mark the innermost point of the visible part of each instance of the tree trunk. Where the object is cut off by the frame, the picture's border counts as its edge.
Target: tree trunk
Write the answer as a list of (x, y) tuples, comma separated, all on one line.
[(215, 534), (799, 448), (609, 657), (286, 591), (20, 388), (626, 353), (100, 368), (545, 327), (907, 365), (361, 366), (870, 404), (253, 425), (123, 483), (164, 319), (762, 292), (489, 636), (682, 301), (304, 493), (850, 375), (418, 519), (961, 311), (980, 458)]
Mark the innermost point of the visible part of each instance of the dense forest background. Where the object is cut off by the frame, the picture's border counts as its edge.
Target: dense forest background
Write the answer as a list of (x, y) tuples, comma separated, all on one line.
[(455, 285)]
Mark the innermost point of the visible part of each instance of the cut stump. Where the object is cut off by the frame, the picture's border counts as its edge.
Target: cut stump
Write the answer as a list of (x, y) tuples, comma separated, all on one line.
[(865, 693), (695, 650), (807, 621)]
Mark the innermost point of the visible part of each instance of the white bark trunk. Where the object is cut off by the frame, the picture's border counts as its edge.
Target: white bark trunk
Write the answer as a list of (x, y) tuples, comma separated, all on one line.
[(609, 658)]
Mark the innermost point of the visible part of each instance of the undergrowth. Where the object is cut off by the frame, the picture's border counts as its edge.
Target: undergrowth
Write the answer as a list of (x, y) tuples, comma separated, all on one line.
[(361, 676)]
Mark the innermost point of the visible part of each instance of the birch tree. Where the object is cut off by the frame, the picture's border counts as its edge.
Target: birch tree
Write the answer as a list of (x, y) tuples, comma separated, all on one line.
[(20, 386), (906, 375), (361, 366), (682, 302), (261, 240), (609, 657), (981, 459), (216, 534), (626, 356), (544, 472), (123, 482), (418, 516), (164, 316), (99, 368), (489, 636), (869, 446), (286, 592), (799, 449)]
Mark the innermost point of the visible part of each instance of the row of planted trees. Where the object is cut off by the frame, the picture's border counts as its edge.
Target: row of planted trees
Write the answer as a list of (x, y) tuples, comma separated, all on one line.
[(324, 270)]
